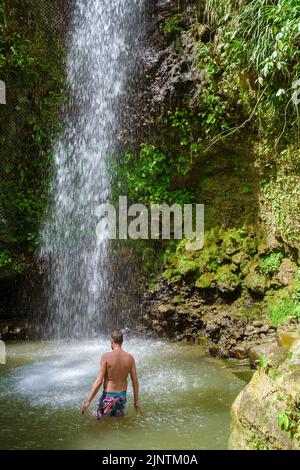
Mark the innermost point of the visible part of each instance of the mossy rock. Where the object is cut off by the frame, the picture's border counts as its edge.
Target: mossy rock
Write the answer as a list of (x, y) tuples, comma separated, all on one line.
[(256, 283), (209, 259), (231, 243), (227, 280), (265, 415), (250, 246), (206, 281), (228, 268), (188, 267), (240, 258), (172, 276), (287, 272), (244, 268)]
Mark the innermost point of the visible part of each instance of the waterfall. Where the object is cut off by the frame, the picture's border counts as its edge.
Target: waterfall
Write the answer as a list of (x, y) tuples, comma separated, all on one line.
[(81, 287)]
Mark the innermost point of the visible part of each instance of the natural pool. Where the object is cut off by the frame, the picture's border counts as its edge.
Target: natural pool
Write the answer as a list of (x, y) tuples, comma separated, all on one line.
[(186, 398)]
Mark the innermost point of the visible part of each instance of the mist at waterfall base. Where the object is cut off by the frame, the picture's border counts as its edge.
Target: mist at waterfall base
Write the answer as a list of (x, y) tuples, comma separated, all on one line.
[(90, 285)]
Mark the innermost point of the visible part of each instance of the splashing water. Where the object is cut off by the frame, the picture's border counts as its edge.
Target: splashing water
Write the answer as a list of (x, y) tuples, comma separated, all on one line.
[(102, 59), (186, 398)]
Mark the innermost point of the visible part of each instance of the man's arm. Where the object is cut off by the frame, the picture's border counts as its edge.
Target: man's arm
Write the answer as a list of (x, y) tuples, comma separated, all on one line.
[(97, 385), (135, 384)]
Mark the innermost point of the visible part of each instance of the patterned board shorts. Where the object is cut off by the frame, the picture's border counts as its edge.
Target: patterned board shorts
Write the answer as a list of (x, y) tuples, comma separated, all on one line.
[(111, 404)]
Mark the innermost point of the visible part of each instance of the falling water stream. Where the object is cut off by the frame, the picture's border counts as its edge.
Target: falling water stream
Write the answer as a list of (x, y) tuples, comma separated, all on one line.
[(102, 58), (186, 396)]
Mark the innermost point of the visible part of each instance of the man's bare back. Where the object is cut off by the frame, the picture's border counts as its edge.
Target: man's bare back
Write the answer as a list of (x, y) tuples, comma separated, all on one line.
[(115, 367), (118, 365)]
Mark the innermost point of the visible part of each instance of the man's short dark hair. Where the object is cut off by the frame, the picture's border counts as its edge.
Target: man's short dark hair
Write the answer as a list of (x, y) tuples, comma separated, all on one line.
[(117, 337)]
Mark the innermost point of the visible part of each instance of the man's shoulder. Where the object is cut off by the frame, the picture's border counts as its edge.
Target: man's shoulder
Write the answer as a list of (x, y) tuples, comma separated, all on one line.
[(129, 356), (111, 354), (106, 355)]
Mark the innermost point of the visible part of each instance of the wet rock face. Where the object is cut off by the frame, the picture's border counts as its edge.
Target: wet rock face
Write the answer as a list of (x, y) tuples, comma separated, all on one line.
[(169, 71), (265, 416), (183, 314), (14, 329)]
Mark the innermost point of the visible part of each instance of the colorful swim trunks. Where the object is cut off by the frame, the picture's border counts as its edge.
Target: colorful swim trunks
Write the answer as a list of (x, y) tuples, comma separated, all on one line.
[(111, 404)]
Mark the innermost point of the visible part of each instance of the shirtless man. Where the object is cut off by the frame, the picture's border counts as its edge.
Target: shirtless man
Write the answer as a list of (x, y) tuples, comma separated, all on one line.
[(115, 368)]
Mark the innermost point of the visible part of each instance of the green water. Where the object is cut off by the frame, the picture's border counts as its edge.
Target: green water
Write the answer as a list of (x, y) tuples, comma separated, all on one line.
[(186, 398)]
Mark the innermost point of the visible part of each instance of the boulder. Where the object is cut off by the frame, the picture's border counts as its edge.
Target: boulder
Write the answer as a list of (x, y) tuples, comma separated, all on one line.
[(256, 283), (265, 415), (288, 338), (274, 353), (206, 281), (241, 351), (228, 282), (287, 271), (240, 258)]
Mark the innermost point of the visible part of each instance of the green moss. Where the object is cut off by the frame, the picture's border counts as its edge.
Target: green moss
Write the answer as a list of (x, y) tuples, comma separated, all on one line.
[(209, 259), (250, 245), (256, 283), (282, 199), (188, 267), (171, 275), (213, 264), (251, 313), (173, 26), (178, 299), (206, 281), (228, 282), (280, 311), (282, 304)]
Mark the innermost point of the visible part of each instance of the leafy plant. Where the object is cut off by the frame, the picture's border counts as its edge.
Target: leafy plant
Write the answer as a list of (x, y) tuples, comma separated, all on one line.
[(258, 46), (173, 25), (271, 263), (149, 178), (11, 264), (217, 111), (263, 362), (284, 421), (289, 421)]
